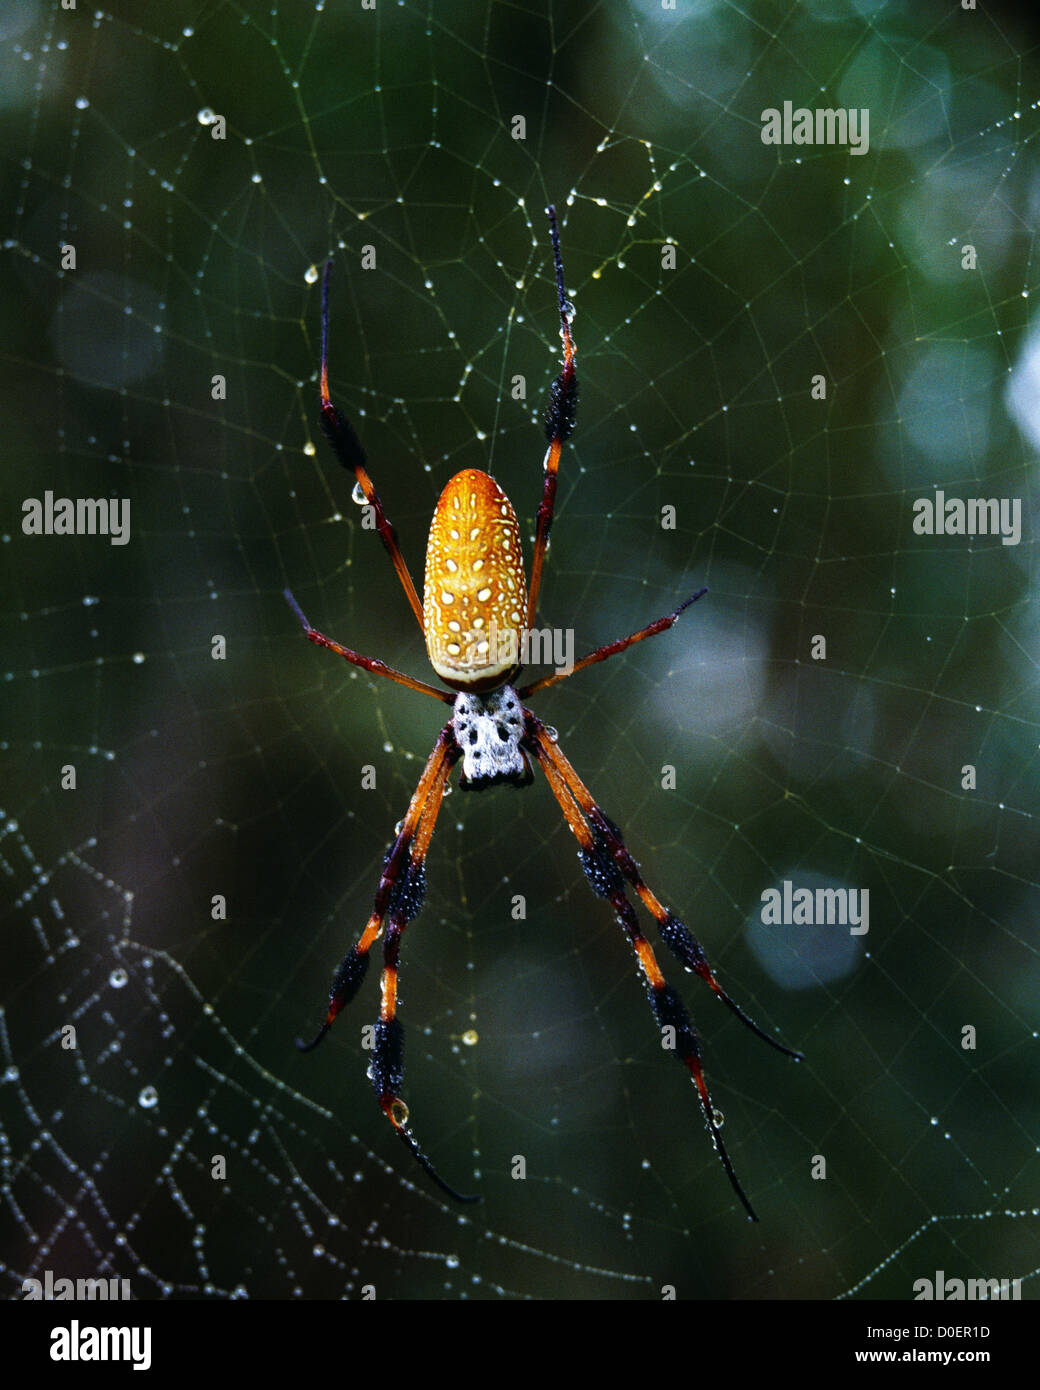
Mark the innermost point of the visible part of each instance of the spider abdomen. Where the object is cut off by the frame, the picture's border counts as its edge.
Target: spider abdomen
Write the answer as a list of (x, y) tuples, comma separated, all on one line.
[(475, 599)]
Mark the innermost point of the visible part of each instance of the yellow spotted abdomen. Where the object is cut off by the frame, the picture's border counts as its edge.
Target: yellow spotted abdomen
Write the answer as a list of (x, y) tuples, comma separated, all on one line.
[(475, 600)]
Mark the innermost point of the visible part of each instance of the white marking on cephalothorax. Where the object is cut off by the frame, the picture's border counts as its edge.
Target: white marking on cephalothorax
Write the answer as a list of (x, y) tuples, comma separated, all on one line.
[(488, 729)]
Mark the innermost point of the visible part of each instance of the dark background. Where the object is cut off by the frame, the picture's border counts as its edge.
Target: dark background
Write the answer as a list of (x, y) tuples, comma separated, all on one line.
[(242, 777)]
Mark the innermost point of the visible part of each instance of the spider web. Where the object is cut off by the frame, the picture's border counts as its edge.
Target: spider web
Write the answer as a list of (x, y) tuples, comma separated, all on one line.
[(243, 777)]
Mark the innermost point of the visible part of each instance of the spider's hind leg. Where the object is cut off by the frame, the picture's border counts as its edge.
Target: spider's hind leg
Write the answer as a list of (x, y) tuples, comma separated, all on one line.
[(345, 444)]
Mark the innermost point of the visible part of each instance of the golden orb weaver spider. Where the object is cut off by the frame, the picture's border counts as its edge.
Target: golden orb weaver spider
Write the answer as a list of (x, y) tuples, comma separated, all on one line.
[(475, 609)]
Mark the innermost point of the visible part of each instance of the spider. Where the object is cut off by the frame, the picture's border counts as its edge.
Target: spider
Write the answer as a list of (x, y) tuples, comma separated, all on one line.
[(476, 608)]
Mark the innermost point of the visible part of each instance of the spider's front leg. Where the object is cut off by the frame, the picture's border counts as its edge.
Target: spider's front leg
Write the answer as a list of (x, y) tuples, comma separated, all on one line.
[(401, 884), (607, 863), (675, 934), (398, 900)]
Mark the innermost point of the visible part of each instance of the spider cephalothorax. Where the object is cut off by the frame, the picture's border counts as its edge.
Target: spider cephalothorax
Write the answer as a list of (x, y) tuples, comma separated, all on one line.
[(489, 730), (475, 611)]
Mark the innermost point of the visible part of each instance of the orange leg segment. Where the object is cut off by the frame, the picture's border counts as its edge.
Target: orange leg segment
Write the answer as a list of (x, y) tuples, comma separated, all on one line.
[(607, 882)]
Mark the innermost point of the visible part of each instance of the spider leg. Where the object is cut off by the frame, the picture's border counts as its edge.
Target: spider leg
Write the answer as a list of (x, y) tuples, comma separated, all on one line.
[(559, 422), (612, 648), (401, 885), (347, 447), (367, 663), (387, 1069), (399, 899), (605, 879), (675, 934)]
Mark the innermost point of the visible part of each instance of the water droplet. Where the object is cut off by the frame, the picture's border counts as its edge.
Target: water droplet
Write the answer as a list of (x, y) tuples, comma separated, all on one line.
[(148, 1099), (471, 1037), (118, 978), (398, 1111), (551, 734), (358, 495)]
